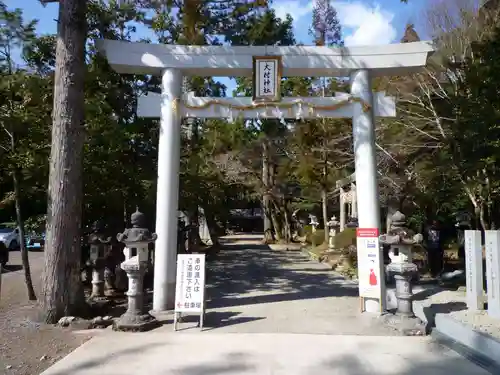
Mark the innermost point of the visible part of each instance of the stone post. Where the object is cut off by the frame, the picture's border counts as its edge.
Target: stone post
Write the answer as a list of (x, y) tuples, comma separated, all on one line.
[(99, 246), (167, 193), (333, 226), (136, 240), (492, 248), (342, 209), (401, 239), (474, 270), (314, 224), (354, 201)]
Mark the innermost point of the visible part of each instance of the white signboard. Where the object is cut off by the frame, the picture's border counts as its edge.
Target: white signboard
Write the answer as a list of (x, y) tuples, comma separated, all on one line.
[(267, 78), (368, 250), (190, 285)]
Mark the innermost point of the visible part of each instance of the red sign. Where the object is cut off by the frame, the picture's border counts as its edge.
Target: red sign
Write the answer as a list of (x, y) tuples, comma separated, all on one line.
[(366, 232)]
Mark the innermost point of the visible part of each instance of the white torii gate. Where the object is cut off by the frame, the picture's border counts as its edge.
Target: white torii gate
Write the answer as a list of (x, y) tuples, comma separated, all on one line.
[(172, 61)]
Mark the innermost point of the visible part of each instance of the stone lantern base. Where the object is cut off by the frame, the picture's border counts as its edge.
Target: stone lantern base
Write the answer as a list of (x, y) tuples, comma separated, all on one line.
[(406, 325), (135, 323), (404, 319), (135, 319)]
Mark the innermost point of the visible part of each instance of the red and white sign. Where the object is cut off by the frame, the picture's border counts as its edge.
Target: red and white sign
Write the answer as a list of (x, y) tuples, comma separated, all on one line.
[(369, 256)]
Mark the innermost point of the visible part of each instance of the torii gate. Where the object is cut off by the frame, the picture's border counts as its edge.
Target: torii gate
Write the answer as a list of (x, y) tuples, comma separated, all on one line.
[(268, 64)]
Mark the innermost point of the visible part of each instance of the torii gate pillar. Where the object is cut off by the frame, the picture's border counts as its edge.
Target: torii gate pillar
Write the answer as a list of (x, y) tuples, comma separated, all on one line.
[(365, 161), (167, 194)]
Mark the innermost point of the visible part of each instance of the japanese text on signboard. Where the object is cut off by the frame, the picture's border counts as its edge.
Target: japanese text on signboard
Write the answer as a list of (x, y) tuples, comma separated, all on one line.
[(190, 283)]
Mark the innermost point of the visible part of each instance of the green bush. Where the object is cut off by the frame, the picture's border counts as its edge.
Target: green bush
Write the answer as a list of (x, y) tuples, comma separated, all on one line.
[(319, 237), (345, 238)]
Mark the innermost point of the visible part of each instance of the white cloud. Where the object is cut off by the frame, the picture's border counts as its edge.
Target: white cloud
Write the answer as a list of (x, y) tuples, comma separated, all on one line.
[(370, 25), (362, 23), (294, 8)]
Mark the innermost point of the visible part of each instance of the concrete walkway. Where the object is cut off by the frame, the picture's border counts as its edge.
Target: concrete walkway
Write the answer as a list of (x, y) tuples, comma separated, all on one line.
[(161, 353), (285, 314)]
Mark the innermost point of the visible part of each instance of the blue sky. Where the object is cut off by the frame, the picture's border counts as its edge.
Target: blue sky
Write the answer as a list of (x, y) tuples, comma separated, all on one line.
[(364, 22)]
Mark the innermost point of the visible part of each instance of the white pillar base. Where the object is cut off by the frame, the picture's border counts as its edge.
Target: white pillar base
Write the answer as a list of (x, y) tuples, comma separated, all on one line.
[(371, 305)]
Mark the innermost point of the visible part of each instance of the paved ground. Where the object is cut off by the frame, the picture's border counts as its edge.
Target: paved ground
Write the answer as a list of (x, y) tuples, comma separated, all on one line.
[(260, 354), (269, 313), (254, 289)]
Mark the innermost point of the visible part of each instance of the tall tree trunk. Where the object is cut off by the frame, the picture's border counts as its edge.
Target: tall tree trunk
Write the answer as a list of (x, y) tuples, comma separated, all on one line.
[(194, 215), (17, 200), (324, 192), (287, 224), (20, 226), (63, 293), (278, 229), (266, 196), (324, 206)]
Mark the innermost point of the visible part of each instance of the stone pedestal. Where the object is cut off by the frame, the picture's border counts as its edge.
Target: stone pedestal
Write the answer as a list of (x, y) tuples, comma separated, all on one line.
[(404, 319), (135, 319), (109, 282), (97, 279)]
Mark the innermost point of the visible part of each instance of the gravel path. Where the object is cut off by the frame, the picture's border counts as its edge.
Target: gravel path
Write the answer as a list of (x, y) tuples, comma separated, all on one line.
[(254, 289), (27, 347), (453, 303)]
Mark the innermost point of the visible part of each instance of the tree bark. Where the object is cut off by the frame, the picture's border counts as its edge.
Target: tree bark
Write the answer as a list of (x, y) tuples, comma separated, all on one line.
[(20, 226), (266, 196), (63, 293)]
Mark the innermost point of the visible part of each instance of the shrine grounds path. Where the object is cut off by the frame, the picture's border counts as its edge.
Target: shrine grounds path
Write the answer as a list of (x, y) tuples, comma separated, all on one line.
[(268, 313), (251, 288)]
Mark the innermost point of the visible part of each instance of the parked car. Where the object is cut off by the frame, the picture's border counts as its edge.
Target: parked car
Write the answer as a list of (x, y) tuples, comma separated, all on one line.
[(10, 237), (35, 241)]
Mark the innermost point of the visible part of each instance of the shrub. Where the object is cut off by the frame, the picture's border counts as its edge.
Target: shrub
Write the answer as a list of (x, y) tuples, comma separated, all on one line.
[(345, 238)]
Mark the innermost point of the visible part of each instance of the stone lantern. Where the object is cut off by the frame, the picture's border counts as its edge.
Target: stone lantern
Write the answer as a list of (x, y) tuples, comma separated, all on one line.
[(333, 227), (314, 225), (99, 246), (136, 240), (401, 239)]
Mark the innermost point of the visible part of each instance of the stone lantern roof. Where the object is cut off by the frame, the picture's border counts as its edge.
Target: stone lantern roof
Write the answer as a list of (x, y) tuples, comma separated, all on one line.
[(138, 232), (399, 233)]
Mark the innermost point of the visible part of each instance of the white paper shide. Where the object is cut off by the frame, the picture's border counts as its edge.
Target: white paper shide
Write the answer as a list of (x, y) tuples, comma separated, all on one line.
[(190, 287), (266, 78)]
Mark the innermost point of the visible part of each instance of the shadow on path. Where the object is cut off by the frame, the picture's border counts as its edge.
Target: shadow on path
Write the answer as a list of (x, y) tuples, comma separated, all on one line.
[(249, 273)]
